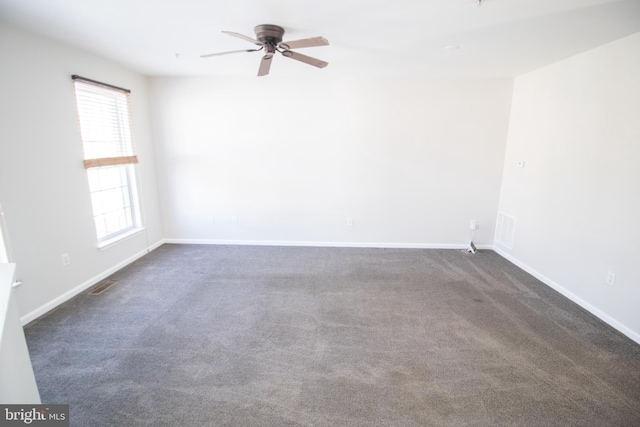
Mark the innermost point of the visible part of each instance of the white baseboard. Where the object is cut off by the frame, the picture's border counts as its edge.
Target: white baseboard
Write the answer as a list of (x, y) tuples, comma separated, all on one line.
[(635, 336), (156, 245), (385, 245), (29, 317)]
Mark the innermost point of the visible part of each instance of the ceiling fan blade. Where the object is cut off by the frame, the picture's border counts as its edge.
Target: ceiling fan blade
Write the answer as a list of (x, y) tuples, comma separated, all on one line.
[(227, 53), (304, 58), (243, 37), (265, 65), (298, 44)]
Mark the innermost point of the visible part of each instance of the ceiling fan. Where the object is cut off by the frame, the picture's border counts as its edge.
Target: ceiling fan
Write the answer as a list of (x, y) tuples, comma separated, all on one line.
[(269, 38)]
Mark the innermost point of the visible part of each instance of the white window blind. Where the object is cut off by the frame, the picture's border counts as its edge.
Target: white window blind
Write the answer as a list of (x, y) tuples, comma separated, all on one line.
[(105, 124)]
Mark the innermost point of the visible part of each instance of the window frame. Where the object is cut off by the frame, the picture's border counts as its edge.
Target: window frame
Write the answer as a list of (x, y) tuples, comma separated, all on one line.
[(104, 111), (134, 205)]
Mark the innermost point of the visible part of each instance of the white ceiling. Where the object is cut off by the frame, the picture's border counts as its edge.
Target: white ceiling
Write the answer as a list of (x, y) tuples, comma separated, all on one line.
[(368, 37)]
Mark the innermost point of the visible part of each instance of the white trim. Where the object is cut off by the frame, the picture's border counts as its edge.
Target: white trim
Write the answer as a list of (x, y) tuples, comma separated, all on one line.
[(635, 336), (29, 317), (156, 245), (386, 245)]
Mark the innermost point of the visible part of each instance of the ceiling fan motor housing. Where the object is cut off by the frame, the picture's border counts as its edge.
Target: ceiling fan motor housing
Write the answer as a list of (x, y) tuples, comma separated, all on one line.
[(270, 35), (267, 33)]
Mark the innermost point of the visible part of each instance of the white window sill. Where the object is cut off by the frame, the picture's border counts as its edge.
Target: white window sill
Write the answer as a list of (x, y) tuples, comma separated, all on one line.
[(119, 238)]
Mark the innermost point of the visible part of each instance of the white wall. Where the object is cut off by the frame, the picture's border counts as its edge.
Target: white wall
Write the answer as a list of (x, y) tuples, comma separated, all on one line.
[(43, 185), (577, 200), (412, 161)]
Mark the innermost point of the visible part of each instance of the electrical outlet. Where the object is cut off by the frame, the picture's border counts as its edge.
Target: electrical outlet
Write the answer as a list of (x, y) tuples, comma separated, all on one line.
[(211, 219), (349, 222), (234, 219), (473, 225), (65, 260), (611, 278)]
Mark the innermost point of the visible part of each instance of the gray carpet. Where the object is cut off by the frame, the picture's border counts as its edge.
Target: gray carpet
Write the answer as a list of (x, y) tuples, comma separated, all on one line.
[(282, 336)]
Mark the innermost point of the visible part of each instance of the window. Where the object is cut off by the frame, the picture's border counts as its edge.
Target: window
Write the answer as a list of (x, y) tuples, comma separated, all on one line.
[(109, 157)]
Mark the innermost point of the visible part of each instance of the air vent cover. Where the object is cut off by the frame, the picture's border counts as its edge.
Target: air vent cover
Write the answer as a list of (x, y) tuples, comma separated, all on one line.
[(505, 230), (103, 286)]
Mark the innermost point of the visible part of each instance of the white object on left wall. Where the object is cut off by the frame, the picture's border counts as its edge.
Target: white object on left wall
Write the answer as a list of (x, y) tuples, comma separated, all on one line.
[(5, 248), (18, 383)]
